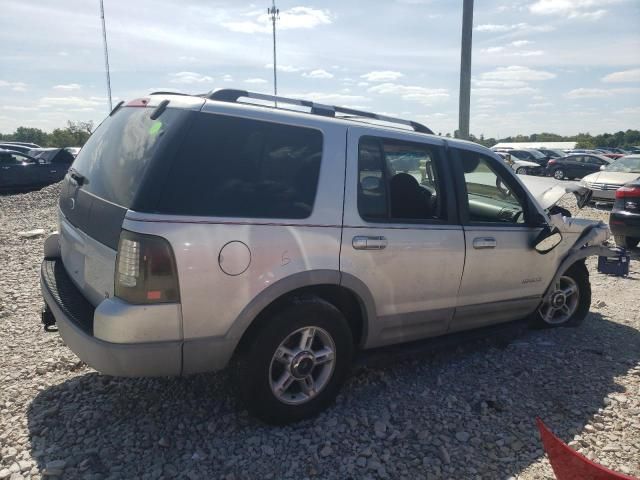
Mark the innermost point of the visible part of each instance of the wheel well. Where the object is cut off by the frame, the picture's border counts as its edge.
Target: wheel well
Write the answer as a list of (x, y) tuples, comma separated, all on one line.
[(340, 297)]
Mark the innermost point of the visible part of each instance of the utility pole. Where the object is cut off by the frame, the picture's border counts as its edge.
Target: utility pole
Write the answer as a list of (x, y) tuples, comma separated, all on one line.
[(274, 13), (465, 70), (106, 55)]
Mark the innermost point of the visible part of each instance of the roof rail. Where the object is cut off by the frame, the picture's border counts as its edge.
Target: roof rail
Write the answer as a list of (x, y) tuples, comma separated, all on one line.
[(232, 95)]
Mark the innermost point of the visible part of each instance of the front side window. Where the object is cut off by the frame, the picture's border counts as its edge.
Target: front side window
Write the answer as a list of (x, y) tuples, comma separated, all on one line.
[(398, 181), (238, 167), (489, 195)]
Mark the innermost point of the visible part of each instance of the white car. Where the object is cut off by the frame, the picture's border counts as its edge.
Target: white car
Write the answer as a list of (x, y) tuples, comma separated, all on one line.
[(604, 183), (522, 167)]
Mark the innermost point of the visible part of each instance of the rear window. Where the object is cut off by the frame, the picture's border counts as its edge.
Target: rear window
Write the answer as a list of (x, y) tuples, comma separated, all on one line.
[(117, 154), (237, 167)]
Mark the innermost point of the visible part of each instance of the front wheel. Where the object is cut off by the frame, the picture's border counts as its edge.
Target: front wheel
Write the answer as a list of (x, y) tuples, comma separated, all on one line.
[(295, 361), (522, 171), (569, 302), (558, 174)]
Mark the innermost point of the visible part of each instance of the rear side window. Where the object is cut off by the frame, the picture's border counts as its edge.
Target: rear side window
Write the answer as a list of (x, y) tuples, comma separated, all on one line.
[(117, 154), (398, 181), (237, 167)]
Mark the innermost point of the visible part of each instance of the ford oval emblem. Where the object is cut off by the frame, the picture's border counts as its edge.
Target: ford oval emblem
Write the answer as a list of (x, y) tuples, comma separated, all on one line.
[(72, 203)]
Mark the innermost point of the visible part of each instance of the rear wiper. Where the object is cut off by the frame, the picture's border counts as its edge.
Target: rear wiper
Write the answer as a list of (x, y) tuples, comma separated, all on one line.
[(78, 177)]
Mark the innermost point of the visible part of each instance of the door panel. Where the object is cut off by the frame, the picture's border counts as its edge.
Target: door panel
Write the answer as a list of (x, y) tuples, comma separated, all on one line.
[(504, 276), (412, 267)]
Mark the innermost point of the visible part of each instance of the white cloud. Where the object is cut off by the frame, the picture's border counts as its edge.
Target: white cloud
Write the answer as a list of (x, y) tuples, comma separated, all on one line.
[(571, 8), (632, 75), (18, 108), (227, 78), (67, 87), (493, 49), (189, 78), (515, 72), (501, 28), (541, 105), (256, 81), (294, 18), (520, 43), (422, 95), (284, 68), (318, 73), (15, 86), (600, 92), (72, 102), (382, 76)]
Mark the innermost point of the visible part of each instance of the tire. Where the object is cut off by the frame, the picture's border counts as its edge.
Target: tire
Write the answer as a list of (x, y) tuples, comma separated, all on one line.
[(558, 174), (626, 242), (579, 277), (258, 369), (522, 171)]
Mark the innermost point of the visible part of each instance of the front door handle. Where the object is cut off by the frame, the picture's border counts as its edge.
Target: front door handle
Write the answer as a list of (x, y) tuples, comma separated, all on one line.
[(484, 242), (369, 243)]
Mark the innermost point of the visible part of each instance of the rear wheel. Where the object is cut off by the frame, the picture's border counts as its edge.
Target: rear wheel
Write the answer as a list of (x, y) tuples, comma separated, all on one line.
[(569, 302), (522, 171), (626, 242), (294, 363), (558, 174)]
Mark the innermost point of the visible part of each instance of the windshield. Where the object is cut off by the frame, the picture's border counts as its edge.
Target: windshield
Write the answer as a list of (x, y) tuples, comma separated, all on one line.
[(625, 164), (536, 153)]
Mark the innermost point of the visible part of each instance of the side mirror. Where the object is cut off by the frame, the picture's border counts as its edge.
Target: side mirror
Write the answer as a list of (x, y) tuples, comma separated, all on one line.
[(547, 240)]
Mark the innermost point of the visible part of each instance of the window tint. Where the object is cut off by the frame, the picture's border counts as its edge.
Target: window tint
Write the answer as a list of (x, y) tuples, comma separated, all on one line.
[(236, 167), (398, 181), (489, 195), (116, 155)]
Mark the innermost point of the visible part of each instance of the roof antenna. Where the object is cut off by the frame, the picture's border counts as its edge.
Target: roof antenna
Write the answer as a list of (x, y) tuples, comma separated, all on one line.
[(106, 55), (274, 13)]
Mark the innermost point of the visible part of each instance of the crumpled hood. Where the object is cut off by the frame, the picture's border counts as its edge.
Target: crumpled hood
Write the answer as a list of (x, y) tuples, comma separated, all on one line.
[(549, 191)]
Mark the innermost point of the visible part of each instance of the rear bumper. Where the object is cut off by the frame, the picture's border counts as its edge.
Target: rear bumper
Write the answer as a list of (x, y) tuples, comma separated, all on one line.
[(608, 196), (625, 224), (74, 318)]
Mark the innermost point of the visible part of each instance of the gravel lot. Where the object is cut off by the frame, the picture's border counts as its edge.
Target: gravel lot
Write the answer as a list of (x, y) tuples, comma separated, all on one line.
[(461, 413)]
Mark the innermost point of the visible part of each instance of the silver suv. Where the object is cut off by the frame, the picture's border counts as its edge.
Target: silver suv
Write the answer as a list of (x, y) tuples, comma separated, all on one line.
[(197, 232)]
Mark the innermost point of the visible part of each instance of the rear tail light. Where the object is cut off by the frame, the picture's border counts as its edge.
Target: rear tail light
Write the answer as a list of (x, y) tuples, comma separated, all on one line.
[(145, 270), (628, 192)]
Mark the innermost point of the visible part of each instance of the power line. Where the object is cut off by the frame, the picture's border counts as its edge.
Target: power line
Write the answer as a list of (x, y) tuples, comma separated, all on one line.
[(274, 13), (106, 54)]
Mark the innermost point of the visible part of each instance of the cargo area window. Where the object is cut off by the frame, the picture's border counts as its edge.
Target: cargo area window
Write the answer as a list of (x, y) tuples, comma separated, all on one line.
[(238, 167), (398, 181)]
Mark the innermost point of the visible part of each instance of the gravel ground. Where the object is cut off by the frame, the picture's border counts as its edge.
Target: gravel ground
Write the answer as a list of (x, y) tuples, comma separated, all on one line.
[(462, 413)]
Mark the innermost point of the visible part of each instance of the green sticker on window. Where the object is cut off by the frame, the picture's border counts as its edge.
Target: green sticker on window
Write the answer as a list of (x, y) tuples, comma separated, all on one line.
[(155, 128)]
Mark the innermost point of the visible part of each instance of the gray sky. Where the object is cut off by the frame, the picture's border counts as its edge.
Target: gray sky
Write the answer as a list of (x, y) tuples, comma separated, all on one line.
[(563, 66)]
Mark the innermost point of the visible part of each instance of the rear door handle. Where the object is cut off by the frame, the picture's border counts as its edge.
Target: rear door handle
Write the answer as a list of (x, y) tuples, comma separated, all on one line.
[(369, 243), (484, 242)]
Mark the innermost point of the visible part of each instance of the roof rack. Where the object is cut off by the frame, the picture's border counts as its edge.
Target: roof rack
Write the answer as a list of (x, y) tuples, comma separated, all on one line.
[(232, 96)]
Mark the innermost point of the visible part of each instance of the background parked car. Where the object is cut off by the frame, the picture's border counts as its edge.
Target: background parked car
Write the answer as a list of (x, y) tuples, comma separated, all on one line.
[(16, 147), (552, 153), (73, 150), (575, 166), (605, 183), (531, 155), (522, 167), (19, 171), (624, 220), (52, 155)]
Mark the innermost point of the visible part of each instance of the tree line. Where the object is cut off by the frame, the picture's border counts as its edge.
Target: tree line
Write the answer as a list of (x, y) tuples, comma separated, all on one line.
[(619, 139), (74, 135), (77, 133)]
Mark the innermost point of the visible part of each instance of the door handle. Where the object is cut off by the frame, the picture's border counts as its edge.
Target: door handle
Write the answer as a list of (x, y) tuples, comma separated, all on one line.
[(484, 242), (369, 243)]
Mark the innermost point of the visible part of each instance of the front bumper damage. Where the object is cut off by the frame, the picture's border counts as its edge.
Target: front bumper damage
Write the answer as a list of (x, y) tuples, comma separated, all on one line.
[(591, 242)]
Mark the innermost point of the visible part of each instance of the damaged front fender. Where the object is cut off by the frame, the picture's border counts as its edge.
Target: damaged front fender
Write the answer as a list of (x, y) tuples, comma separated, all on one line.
[(548, 191)]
